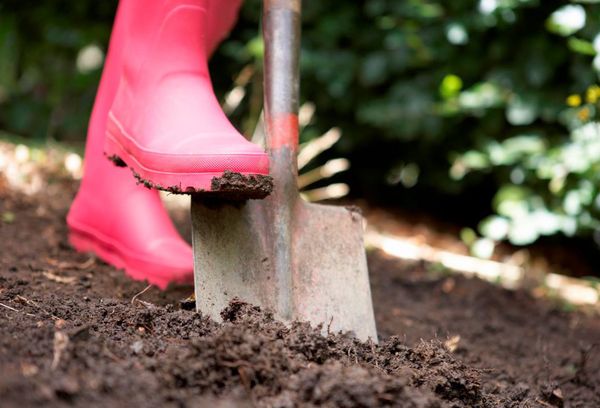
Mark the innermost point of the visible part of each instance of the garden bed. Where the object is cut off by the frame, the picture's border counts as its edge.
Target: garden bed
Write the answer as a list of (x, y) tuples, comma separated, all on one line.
[(76, 332)]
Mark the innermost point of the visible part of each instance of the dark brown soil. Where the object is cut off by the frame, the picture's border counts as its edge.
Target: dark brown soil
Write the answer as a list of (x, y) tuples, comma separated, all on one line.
[(231, 186), (238, 186), (75, 332)]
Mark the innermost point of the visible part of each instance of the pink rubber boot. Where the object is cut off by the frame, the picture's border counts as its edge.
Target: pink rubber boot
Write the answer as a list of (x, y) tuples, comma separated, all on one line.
[(165, 122), (223, 15), (123, 223)]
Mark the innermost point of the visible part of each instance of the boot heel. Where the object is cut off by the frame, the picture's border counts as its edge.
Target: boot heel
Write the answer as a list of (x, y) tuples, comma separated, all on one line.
[(134, 265)]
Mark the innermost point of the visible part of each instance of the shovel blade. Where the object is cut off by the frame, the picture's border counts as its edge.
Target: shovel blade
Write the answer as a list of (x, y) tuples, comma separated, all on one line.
[(331, 279), (236, 252), (230, 259)]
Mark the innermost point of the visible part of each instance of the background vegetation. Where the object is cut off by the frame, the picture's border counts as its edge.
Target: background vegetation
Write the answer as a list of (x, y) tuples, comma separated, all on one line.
[(487, 109)]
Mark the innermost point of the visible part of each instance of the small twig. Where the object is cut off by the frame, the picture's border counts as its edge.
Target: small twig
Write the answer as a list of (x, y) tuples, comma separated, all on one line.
[(133, 299), (373, 352), (146, 304), (9, 308), (16, 310), (87, 264), (31, 302), (329, 326), (539, 401), (60, 279), (72, 265), (61, 341)]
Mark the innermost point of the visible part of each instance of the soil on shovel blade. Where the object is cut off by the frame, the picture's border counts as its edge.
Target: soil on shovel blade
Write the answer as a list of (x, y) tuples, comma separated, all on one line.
[(76, 332)]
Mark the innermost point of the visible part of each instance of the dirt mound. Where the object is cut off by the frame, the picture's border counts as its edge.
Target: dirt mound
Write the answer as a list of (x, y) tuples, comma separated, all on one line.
[(112, 351)]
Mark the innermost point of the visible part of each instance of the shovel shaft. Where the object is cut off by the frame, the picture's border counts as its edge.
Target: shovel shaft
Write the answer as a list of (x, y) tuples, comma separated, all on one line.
[(281, 32)]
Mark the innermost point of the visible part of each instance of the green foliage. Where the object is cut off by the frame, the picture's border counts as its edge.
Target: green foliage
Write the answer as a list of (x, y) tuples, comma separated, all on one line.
[(469, 87), (548, 187), (43, 94), (479, 87), (450, 96)]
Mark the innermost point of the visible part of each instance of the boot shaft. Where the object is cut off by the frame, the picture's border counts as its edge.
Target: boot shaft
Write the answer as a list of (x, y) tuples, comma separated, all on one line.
[(163, 37)]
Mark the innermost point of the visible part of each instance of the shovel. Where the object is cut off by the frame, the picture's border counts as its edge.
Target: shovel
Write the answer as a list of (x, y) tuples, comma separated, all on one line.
[(301, 261)]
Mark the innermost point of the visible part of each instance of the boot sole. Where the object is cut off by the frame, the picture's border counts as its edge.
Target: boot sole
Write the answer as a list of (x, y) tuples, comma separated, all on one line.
[(226, 184), (84, 240)]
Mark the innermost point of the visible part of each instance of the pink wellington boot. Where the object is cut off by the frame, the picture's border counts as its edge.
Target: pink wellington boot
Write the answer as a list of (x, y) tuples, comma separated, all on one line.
[(121, 222), (223, 15), (165, 122)]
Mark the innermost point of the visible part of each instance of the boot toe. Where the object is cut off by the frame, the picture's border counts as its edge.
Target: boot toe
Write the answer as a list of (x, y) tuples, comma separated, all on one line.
[(189, 165)]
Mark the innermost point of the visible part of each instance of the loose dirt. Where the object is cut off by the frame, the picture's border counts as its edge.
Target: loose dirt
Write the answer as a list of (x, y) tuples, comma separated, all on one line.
[(76, 332)]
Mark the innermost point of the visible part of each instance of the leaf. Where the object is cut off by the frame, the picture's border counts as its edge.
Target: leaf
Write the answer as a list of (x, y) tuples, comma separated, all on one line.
[(567, 20), (581, 46), (521, 111), (450, 86), (495, 227), (8, 217), (523, 231)]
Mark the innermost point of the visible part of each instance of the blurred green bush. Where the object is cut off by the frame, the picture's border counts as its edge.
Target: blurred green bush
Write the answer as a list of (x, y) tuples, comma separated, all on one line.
[(448, 98), (44, 92)]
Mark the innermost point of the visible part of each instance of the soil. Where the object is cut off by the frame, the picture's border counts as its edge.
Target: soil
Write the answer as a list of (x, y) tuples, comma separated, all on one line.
[(76, 332), (237, 185)]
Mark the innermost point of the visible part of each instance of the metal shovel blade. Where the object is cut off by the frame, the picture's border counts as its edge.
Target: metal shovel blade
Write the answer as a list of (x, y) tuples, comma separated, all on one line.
[(301, 261), (235, 252)]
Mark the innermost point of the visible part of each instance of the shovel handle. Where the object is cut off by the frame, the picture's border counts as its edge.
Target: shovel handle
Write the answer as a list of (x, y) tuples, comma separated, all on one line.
[(281, 33)]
